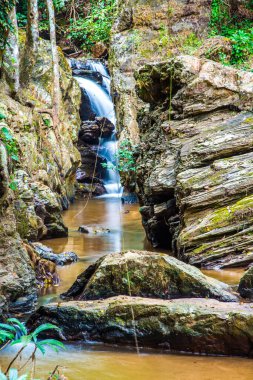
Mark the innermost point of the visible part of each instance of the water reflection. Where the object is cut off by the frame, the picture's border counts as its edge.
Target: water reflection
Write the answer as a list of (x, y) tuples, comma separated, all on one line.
[(84, 362), (80, 362)]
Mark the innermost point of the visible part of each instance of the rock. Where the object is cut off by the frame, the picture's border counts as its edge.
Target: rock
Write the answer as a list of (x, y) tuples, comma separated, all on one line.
[(45, 270), (18, 292), (99, 50), (91, 131), (94, 76), (217, 49), (149, 32), (47, 253), (48, 158), (94, 230), (199, 326), (150, 274), (246, 284), (197, 161)]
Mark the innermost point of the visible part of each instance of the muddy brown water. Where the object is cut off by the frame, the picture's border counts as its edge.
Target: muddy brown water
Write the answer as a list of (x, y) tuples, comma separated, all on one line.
[(96, 362)]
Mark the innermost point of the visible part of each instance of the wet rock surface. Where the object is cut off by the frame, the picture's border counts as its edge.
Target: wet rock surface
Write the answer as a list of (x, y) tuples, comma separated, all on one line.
[(148, 274), (246, 284), (91, 131), (92, 170), (93, 230), (47, 253), (197, 326)]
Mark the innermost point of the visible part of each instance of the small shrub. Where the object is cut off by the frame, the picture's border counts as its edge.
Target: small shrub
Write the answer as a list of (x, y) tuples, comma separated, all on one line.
[(10, 143)]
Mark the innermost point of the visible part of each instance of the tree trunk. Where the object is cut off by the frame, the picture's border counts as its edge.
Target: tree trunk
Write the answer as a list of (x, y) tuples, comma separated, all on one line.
[(55, 58), (30, 52), (32, 32), (11, 59)]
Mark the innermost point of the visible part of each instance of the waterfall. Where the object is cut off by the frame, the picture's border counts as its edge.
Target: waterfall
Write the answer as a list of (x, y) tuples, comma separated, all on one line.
[(100, 102)]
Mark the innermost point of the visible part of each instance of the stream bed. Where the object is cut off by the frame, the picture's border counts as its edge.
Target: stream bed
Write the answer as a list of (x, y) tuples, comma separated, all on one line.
[(97, 362)]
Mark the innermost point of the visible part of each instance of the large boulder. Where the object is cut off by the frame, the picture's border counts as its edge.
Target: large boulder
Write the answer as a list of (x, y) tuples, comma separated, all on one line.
[(199, 326), (246, 284), (145, 274)]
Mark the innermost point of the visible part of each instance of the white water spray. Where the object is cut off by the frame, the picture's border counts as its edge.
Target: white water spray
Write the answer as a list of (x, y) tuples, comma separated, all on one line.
[(102, 105)]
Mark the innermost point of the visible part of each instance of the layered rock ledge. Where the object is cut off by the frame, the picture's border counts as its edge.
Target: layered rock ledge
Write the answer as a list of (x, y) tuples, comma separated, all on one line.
[(195, 158), (197, 326)]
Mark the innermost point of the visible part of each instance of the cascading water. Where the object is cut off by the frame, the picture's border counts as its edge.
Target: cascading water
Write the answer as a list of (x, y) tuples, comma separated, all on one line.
[(101, 105)]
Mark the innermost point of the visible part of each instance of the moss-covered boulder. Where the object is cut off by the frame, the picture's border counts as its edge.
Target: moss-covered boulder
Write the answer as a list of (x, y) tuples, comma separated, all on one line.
[(145, 274), (197, 326), (246, 284)]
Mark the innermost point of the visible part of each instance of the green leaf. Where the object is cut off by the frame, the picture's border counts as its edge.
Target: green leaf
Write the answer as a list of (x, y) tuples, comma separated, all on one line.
[(18, 324), (41, 348), (24, 340), (7, 327), (53, 343), (44, 327), (6, 133)]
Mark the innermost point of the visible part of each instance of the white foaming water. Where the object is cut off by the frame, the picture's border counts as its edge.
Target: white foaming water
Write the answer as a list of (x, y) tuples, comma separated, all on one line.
[(100, 67), (102, 105), (101, 102), (112, 179)]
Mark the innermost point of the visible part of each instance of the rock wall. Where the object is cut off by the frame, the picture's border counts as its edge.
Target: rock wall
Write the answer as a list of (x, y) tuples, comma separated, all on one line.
[(45, 171), (144, 31), (191, 120), (196, 159), (37, 186), (17, 278)]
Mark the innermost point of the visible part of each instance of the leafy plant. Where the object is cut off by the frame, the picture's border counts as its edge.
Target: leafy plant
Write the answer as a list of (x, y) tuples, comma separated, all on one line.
[(96, 26), (10, 143), (124, 159), (5, 22), (15, 332), (239, 32)]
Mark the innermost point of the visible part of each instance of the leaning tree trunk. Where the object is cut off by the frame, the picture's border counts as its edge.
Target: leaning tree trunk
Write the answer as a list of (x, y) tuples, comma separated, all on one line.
[(30, 52), (55, 58), (11, 59)]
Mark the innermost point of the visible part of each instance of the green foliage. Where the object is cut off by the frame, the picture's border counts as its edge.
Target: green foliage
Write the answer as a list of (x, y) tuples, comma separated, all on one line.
[(239, 32), (15, 332), (5, 22), (95, 27), (10, 143), (124, 158), (15, 328)]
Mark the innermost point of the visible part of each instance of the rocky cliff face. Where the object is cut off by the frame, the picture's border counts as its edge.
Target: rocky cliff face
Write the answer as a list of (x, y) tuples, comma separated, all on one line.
[(144, 31), (17, 278), (45, 172), (43, 176), (197, 160), (191, 118)]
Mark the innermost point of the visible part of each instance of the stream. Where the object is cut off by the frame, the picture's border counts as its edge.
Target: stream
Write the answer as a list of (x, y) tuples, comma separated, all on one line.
[(101, 362)]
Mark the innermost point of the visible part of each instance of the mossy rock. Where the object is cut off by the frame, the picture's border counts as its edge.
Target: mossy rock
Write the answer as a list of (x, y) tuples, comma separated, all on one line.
[(200, 326), (145, 274)]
